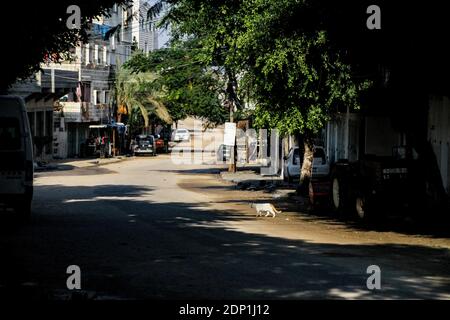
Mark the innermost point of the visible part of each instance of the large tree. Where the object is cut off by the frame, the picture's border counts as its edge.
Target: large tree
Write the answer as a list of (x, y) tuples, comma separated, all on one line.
[(188, 85), (302, 58), (34, 32), (140, 94), (295, 75)]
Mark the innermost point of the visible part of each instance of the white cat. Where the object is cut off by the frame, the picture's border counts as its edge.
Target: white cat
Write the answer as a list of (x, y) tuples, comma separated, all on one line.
[(268, 208)]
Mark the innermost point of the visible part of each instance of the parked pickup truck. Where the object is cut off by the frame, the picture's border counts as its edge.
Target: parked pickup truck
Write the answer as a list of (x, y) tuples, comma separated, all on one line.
[(384, 177)]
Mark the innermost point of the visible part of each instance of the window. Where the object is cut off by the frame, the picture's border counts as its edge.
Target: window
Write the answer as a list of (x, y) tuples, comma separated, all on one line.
[(9, 134), (107, 97), (95, 96), (87, 54), (296, 160), (100, 55), (91, 55), (96, 55), (105, 55), (319, 153), (86, 92)]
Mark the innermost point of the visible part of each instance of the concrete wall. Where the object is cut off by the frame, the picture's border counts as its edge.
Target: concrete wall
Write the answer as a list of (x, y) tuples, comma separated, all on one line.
[(439, 134)]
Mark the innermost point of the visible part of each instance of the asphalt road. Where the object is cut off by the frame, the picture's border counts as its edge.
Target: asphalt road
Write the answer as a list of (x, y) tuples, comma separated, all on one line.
[(146, 228)]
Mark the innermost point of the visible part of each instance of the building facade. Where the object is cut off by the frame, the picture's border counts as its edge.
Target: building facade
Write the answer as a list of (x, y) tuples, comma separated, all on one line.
[(113, 39)]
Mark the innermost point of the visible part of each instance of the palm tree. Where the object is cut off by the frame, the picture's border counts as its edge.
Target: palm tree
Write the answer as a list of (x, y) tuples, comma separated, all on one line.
[(139, 93)]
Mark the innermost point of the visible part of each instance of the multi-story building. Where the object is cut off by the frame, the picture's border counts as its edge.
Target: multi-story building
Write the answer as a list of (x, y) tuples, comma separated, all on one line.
[(112, 41), (64, 99)]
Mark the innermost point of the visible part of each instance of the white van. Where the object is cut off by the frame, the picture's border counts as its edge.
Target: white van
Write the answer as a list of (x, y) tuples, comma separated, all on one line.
[(16, 156)]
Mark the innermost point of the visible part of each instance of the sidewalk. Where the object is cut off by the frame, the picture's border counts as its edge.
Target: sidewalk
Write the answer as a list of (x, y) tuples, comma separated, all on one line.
[(60, 164), (250, 179), (282, 193)]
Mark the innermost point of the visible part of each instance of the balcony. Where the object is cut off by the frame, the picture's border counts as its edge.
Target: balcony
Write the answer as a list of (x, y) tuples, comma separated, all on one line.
[(85, 112)]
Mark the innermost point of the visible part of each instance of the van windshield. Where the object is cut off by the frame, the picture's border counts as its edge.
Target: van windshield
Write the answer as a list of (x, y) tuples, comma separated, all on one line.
[(297, 159), (319, 153), (145, 140), (9, 134)]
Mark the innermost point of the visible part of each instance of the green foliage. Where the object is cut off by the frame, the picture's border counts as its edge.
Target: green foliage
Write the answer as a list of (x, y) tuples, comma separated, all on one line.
[(298, 77), (139, 94), (35, 31), (280, 54), (188, 86)]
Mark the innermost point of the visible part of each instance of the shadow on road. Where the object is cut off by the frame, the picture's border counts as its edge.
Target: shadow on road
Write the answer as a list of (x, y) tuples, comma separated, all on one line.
[(129, 247), (208, 170)]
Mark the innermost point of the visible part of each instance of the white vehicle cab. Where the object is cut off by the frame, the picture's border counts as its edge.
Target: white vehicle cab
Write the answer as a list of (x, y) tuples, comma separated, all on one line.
[(321, 165), (292, 165), (16, 156), (181, 135), (293, 162)]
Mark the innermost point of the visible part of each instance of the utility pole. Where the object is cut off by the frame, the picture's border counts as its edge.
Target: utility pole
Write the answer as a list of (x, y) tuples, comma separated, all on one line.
[(232, 165)]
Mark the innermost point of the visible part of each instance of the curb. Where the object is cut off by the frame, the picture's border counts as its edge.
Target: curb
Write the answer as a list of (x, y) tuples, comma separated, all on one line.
[(102, 163)]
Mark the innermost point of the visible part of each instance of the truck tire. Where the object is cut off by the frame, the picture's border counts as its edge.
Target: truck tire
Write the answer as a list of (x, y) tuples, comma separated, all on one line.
[(311, 194), (361, 208), (339, 194), (367, 210)]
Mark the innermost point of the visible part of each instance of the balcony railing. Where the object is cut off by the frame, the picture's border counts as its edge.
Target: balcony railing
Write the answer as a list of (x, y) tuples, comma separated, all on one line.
[(86, 112)]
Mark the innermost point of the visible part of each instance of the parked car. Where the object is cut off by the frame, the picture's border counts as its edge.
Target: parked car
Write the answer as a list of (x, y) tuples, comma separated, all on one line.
[(160, 144), (145, 144), (292, 165), (162, 140), (181, 135), (16, 156)]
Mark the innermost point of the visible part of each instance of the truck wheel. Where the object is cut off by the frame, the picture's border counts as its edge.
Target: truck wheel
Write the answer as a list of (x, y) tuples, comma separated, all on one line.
[(361, 208), (367, 211), (339, 197), (311, 194)]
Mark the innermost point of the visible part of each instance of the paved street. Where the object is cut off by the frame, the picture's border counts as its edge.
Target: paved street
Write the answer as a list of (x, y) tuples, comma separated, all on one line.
[(146, 228)]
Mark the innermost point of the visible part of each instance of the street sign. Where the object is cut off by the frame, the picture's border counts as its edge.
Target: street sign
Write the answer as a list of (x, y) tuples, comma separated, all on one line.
[(229, 136)]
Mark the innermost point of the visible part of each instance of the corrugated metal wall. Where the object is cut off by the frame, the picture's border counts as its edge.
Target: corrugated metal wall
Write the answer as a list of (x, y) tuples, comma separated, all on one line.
[(439, 134)]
